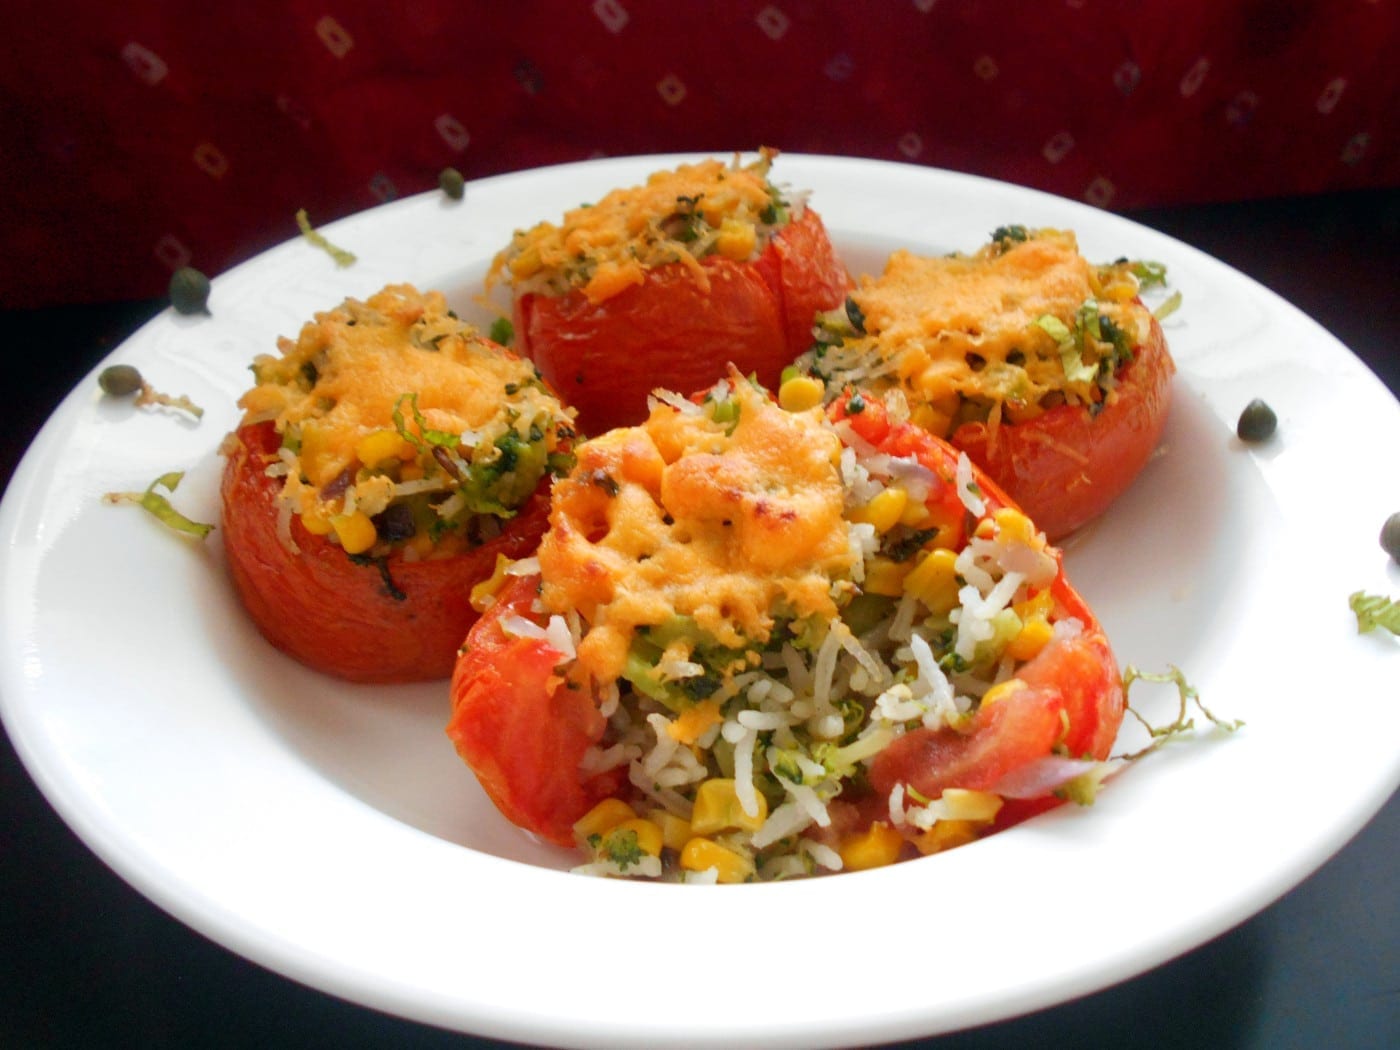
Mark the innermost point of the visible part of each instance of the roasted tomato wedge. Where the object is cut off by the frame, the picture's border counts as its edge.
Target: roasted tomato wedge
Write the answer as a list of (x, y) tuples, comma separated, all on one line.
[(664, 285), (519, 723), (767, 643), (387, 458), (1048, 371)]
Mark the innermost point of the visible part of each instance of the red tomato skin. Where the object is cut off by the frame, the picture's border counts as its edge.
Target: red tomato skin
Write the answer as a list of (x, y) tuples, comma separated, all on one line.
[(1065, 467), (337, 617), (605, 358), (522, 730)]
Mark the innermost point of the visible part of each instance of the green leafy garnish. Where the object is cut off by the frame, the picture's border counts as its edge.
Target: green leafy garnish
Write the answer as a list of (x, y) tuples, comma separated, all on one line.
[(1187, 696), (1168, 306), (1375, 610), (1148, 273), (1083, 789), (340, 255), (158, 505)]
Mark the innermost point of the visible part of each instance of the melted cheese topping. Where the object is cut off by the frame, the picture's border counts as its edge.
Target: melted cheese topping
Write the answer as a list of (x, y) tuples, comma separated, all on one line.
[(678, 517), (341, 380), (364, 357), (677, 216), (958, 329)]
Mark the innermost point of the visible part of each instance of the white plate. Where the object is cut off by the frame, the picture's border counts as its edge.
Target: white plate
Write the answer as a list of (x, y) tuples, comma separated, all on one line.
[(329, 832)]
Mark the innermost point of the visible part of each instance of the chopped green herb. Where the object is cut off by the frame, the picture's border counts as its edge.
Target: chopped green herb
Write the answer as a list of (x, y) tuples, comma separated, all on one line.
[(1373, 611), (502, 331), (158, 505), (622, 848), (1168, 306), (1148, 273), (426, 436), (340, 255), (1186, 694)]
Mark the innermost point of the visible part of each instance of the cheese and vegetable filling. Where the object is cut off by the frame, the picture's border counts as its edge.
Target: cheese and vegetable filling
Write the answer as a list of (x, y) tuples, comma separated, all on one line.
[(1023, 325), (762, 601), (403, 429), (681, 216)]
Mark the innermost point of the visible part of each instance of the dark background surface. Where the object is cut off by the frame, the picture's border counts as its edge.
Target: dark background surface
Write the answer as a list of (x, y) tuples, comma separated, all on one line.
[(86, 961)]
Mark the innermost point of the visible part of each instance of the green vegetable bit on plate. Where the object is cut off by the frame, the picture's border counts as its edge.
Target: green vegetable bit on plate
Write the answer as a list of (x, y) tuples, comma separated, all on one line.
[(160, 506)]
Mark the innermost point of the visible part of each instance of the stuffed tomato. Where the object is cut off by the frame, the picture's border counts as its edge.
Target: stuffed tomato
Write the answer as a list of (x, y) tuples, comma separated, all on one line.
[(758, 643), (1048, 371), (386, 459), (665, 284)]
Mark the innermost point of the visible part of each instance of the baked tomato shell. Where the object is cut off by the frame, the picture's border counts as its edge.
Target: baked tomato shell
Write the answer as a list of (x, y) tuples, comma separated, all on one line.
[(669, 331), (335, 615), (521, 728), (1065, 467)]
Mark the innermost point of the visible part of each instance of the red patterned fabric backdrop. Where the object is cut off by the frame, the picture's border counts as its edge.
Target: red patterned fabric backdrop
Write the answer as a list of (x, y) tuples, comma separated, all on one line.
[(139, 137)]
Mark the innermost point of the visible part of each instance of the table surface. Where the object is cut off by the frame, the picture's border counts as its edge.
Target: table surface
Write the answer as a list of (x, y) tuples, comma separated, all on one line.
[(87, 961)]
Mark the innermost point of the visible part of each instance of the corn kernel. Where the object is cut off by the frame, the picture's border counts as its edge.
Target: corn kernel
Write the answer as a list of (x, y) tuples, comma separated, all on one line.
[(736, 240), (379, 445), (800, 393), (935, 421), (947, 518), (717, 807), (649, 837), (875, 847), (946, 834), (966, 804), (355, 532), (691, 724), (884, 510), (701, 854), (1035, 635), (1038, 604), (934, 581), (315, 520), (675, 831), (916, 514), (601, 819), (883, 576), (527, 263), (1002, 690), (1015, 527), (484, 592)]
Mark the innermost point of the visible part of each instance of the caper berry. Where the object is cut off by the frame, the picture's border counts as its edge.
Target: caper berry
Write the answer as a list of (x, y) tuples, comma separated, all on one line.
[(189, 291), (1257, 422), (119, 380), (1390, 536), (452, 183)]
